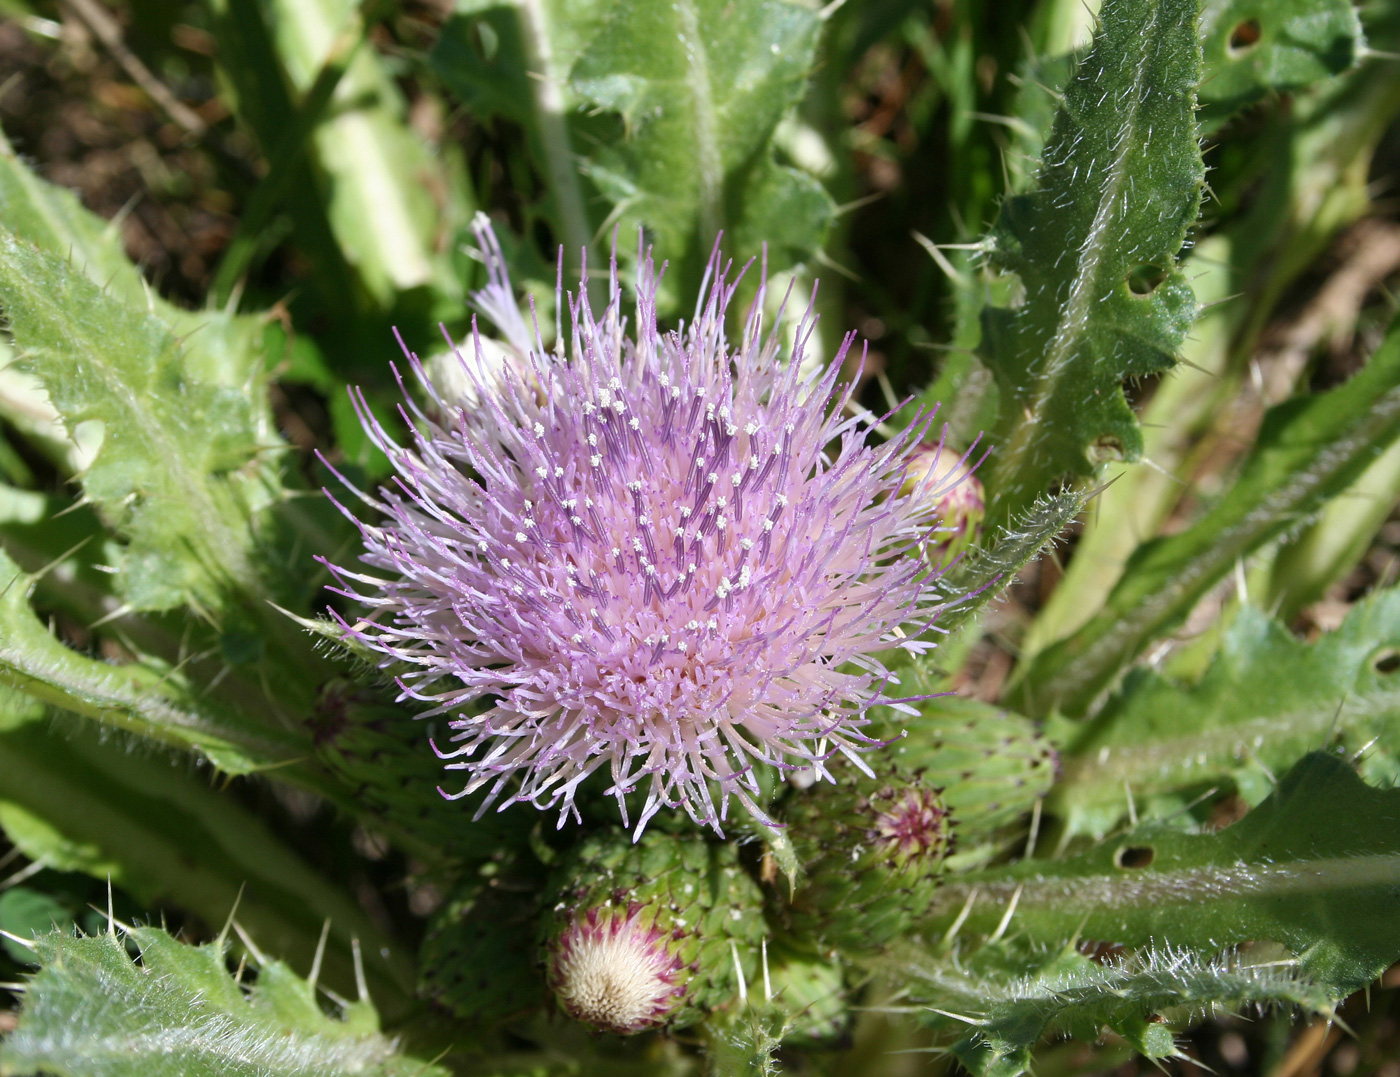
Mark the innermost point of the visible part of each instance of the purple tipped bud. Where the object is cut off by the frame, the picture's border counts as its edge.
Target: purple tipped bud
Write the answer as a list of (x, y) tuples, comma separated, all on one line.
[(910, 824), (948, 478), (639, 935), (617, 970), (873, 849)]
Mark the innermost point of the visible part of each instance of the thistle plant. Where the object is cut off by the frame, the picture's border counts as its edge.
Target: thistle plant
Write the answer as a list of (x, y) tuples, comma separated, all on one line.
[(993, 646)]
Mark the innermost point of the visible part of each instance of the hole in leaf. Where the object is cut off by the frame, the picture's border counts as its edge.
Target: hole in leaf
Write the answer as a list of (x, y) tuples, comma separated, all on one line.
[(488, 42), (1386, 661), (1134, 856), (1106, 447), (1244, 37), (1143, 279)]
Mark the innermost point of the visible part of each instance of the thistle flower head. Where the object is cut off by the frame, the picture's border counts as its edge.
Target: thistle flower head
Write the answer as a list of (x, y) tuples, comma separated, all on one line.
[(614, 969), (910, 823), (672, 555)]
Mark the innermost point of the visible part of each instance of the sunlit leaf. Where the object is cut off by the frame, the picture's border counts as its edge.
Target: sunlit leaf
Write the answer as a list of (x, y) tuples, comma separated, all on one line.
[(91, 1010), (1094, 244)]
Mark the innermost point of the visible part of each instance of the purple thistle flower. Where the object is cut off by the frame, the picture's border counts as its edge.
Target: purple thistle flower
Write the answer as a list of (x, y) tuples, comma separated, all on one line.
[(672, 555)]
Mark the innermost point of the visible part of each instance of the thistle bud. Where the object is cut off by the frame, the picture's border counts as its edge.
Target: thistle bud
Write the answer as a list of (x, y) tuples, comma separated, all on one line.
[(991, 764), (480, 364), (477, 957), (872, 850), (958, 494), (377, 749), (645, 935)]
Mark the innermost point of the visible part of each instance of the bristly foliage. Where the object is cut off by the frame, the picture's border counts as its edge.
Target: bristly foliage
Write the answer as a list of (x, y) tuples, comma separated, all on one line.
[(675, 551), (1094, 245), (1309, 449), (168, 473), (1006, 999), (1266, 698), (1306, 871), (1301, 869), (179, 1013)]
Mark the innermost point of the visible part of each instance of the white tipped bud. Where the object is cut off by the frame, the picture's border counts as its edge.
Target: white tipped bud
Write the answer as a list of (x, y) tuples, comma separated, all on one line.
[(615, 971)]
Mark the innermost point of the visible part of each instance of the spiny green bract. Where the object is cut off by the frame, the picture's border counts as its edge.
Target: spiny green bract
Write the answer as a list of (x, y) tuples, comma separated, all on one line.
[(872, 851), (992, 765)]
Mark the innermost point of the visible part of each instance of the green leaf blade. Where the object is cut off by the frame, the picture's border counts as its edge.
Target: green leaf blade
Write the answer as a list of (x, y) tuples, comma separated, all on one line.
[(91, 1010), (1309, 449), (152, 702), (170, 440), (1095, 245), (1266, 699), (1316, 868), (699, 87), (1253, 48)]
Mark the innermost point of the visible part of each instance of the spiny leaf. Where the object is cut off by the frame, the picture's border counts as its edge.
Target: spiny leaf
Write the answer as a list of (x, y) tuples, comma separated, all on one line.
[(55, 220), (745, 1043), (146, 699), (674, 107), (167, 472), (1310, 448), (1315, 868), (990, 567), (1095, 246), (110, 810), (92, 1012), (698, 87), (1257, 47), (1012, 999), (1266, 698), (221, 348)]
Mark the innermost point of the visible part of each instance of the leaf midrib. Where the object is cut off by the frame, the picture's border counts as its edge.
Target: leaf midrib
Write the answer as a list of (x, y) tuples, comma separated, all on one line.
[(709, 167), (1083, 287), (140, 420)]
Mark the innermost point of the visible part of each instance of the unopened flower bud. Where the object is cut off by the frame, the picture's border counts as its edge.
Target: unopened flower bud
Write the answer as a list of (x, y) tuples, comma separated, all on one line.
[(992, 765), (479, 364), (872, 849), (643, 935), (961, 504), (619, 970)]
